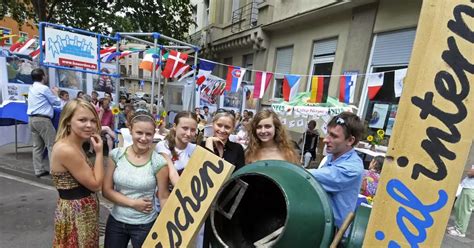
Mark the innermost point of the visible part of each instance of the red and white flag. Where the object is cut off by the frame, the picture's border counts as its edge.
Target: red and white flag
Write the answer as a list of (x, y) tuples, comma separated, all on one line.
[(175, 61), (374, 84), (262, 80), (182, 71), (36, 52)]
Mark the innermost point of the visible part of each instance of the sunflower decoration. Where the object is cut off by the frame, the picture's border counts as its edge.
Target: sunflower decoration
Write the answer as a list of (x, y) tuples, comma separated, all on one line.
[(376, 139), (158, 122), (115, 110)]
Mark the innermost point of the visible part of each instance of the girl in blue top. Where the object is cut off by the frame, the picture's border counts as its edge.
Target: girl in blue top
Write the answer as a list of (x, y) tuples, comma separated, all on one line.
[(130, 181)]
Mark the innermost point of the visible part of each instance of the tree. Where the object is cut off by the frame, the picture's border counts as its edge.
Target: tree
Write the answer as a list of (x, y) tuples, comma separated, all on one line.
[(169, 17)]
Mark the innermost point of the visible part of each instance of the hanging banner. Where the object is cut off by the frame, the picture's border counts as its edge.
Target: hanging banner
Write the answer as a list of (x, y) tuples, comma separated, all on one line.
[(432, 136), (70, 49)]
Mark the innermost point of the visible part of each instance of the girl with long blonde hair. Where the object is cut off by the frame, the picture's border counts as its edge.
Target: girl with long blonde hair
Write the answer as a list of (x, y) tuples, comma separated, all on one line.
[(76, 221)]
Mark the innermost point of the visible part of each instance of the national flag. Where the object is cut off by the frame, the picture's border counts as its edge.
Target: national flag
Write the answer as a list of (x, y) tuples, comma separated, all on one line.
[(319, 89), (36, 52), (347, 86), (182, 71), (17, 45), (291, 84), (147, 62), (234, 78), (187, 74), (398, 81), (107, 50), (175, 61), (262, 80), (374, 84), (205, 69), (107, 57)]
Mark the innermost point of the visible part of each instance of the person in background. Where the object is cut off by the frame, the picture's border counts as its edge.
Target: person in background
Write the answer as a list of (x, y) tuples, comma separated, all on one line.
[(310, 138), (132, 176), (80, 94), (223, 125), (463, 206), (122, 102), (64, 96), (371, 177), (200, 117), (207, 116), (341, 175), (107, 122), (95, 99), (109, 96), (269, 140), (76, 218), (41, 100), (243, 134), (123, 115), (238, 122)]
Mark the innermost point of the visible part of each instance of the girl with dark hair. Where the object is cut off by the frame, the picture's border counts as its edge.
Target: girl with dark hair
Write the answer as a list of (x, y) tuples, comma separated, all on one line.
[(371, 177), (131, 179), (269, 140)]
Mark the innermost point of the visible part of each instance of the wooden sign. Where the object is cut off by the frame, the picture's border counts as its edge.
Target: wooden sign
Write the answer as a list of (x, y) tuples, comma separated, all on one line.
[(186, 209), (433, 132)]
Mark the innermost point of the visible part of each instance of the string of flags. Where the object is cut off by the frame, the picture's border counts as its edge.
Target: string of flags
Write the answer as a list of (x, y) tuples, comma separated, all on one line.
[(176, 67)]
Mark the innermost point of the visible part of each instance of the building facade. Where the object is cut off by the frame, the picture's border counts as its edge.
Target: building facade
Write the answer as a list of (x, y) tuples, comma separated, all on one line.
[(313, 37), (10, 26)]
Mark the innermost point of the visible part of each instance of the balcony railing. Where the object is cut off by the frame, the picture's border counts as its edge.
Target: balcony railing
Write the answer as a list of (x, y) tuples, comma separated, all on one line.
[(245, 17)]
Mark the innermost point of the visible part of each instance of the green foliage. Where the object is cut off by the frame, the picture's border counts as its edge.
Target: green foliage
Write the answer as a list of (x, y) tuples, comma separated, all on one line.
[(169, 17)]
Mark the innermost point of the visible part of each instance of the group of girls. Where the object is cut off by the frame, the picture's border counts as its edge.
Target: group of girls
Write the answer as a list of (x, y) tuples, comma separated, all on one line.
[(137, 176)]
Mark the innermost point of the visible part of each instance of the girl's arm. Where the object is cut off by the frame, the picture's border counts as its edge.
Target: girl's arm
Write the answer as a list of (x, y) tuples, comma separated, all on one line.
[(162, 180)]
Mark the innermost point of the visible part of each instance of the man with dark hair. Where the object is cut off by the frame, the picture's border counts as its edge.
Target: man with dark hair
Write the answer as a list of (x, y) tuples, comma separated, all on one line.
[(64, 96), (207, 115), (341, 175), (41, 100)]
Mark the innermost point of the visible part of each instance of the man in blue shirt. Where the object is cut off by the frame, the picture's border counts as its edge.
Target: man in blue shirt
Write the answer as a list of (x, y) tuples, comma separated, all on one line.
[(41, 100), (341, 175)]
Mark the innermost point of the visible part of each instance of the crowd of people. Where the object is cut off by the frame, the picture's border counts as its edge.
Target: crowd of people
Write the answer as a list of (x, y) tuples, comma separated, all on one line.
[(138, 178)]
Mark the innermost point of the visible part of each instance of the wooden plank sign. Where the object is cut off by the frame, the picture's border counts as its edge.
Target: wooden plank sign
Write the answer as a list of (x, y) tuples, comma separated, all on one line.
[(187, 207), (433, 132)]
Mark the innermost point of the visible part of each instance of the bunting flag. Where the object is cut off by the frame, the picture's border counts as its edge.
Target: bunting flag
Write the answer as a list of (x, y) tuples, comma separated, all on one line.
[(187, 74), (398, 81), (147, 62), (347, 86), (25, 46), (262, 80), (291, 84), (234, 78), (17, 45), (374, 84), (36, 52), (205, 69), (319, 89), (182, 71), (175, 61)]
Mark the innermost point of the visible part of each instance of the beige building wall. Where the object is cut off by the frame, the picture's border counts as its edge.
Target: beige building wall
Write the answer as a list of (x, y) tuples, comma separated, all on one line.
[(396, 15), (286, 9), (302, 38)]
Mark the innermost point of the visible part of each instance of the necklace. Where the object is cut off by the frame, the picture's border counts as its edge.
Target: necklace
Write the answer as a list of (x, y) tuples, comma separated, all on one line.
[(137, 154)]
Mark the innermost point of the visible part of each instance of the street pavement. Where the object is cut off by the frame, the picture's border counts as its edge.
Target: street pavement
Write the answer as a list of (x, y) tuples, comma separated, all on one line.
[(27, 205)]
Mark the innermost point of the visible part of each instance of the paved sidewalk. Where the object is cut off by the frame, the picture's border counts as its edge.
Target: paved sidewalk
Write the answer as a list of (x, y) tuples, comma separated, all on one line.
[(22, 167)]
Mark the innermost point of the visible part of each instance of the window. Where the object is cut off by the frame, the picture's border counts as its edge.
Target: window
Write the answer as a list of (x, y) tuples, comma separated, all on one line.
[(391, 51), (24, 35), (6, 31), (248, 64), (140, 73), (323, 58), (283, 66), (194, 14)]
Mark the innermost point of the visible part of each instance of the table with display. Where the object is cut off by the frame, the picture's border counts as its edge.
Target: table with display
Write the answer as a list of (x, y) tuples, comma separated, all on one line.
[(13, 116)]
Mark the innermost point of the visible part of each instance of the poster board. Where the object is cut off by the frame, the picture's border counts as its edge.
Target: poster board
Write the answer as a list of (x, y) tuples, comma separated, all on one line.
[(432, 135), (187, 207)]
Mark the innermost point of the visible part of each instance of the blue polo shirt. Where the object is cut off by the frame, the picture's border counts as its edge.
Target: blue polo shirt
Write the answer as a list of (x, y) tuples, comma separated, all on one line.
[(341, 179)]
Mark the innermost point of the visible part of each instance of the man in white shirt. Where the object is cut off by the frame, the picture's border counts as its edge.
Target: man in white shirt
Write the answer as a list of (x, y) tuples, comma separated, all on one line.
[(41, 100), (463, 206)]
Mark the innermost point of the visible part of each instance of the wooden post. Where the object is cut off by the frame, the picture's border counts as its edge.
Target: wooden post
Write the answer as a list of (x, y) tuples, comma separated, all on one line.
[(433, 132), (187, 207)]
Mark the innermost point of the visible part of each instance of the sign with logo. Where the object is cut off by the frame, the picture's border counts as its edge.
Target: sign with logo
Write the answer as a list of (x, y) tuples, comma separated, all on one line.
[(187, 207), (433, 134), (70, 49)]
